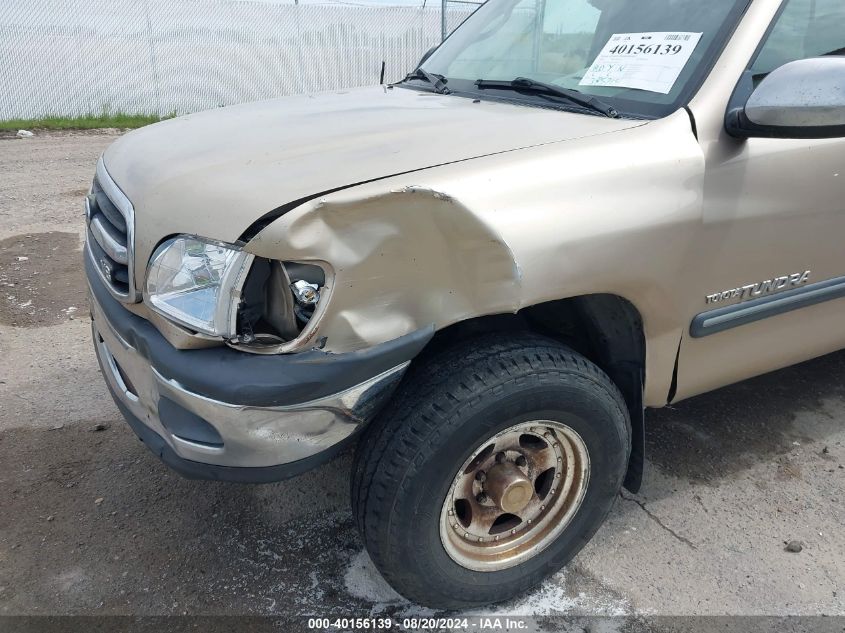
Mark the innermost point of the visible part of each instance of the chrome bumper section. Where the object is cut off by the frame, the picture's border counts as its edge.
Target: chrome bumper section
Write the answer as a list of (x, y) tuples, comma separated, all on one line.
[(250, 437)]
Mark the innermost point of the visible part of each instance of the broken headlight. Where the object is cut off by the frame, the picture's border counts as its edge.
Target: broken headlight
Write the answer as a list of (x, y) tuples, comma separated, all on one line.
[(279, 299), (197, 283)]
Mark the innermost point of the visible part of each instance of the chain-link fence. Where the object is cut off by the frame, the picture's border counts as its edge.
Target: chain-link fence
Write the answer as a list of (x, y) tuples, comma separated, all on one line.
[(74, 57), (455, 12)]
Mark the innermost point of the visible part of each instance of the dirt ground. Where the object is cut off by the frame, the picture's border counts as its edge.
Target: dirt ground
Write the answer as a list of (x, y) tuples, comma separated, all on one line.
[(92, 523)]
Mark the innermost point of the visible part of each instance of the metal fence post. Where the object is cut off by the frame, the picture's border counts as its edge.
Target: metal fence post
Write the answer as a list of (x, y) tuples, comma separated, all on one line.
[(443, 19)]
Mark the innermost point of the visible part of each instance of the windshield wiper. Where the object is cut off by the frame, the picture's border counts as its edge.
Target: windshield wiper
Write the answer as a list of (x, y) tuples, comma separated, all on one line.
[(837, 52), (438, 82), (530, 85)]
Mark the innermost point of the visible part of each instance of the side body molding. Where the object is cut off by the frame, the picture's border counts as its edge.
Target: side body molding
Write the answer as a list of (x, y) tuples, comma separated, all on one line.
[(721, 319)]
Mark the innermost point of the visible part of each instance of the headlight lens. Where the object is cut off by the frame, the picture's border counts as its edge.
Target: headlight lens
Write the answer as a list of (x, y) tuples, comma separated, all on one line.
[(197, 283)]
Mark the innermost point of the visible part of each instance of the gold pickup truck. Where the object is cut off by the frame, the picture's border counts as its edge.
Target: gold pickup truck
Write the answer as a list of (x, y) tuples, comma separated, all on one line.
[(570, 211)]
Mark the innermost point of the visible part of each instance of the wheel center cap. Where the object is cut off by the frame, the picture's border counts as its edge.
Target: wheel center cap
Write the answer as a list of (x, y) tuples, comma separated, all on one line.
[(508, 487)]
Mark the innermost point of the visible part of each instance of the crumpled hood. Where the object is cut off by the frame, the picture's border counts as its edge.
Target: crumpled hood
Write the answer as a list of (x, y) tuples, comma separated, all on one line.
[(215, 173)]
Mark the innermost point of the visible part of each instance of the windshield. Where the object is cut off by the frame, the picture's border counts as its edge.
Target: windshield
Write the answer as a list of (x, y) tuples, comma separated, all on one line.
[(645, 57)]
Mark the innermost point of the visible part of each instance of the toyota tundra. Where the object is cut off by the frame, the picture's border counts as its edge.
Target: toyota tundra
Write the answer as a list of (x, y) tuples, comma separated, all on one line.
[(482, 275)]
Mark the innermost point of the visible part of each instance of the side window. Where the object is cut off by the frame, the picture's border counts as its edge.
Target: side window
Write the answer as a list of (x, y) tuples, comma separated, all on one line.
[(805, 28)]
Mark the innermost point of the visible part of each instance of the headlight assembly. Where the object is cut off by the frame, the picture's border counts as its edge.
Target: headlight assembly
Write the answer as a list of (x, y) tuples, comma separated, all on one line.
[(197, 283)]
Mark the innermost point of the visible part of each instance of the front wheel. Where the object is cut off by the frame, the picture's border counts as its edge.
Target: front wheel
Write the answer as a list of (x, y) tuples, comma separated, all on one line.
[(495, 462)]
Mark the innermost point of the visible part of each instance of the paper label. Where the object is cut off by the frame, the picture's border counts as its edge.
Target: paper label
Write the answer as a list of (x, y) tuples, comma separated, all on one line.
[(646, 61)]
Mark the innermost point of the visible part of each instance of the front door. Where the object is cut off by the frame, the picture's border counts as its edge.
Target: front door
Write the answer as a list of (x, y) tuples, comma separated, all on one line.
[(773, 222)]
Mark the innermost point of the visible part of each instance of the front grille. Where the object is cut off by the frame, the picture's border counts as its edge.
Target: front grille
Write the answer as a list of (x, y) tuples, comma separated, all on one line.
[(110, 219)]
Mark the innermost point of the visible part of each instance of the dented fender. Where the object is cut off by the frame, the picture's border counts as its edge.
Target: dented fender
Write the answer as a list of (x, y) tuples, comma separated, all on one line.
[(381, 285), (614, 213)]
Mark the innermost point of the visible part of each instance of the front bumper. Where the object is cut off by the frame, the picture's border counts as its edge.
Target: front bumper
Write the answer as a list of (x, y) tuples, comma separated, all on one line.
[(219, 413)]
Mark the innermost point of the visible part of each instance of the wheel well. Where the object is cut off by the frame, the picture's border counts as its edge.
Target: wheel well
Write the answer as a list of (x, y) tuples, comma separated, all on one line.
[(605, 328)]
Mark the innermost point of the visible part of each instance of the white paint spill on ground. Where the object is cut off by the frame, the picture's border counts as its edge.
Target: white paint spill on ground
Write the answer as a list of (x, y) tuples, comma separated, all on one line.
[(363, 581), (550, 598)]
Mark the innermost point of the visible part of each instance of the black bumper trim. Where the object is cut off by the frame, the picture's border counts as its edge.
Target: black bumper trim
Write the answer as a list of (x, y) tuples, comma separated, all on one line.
[(240, 378)]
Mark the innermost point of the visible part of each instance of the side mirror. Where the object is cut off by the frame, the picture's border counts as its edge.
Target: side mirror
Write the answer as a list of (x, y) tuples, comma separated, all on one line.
[(803, 99)]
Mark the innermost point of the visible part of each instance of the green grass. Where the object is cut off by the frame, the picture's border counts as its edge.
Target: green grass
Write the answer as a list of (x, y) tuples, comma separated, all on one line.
[(84, 122)]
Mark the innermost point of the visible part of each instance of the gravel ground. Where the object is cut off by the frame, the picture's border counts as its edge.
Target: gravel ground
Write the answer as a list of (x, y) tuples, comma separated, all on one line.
[(91, 523)]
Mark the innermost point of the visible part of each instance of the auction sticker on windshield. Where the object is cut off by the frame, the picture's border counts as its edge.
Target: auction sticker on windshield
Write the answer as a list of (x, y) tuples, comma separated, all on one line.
[(644, 61)]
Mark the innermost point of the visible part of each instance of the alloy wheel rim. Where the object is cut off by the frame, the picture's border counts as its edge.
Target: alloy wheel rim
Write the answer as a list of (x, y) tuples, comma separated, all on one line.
[(514, 495)]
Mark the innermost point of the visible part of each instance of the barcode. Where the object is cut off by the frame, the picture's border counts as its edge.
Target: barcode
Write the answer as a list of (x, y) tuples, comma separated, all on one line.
[(675, 37)]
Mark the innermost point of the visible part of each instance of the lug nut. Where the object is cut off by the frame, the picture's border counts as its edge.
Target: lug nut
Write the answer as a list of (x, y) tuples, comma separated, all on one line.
[(481, 476), (521, 461), (481, 497), (500, 457)]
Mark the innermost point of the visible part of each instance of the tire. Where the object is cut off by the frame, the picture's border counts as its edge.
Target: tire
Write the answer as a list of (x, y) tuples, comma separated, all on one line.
[(451, 404)]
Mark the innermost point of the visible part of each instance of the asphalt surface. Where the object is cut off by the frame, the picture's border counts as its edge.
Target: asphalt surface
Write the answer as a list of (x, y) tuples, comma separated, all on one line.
[(91, 523)]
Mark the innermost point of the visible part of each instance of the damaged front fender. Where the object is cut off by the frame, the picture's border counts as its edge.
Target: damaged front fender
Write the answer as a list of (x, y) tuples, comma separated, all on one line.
[(398, 260)]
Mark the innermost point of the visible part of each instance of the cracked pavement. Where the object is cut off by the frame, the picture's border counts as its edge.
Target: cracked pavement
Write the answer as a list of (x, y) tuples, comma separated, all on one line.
[(627, 496), (91, 523)]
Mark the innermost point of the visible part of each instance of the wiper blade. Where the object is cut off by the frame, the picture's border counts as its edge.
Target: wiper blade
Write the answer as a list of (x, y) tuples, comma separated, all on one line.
[(438, 82), (838, 51), (540, 87)]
